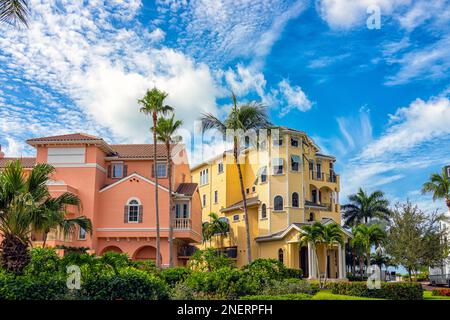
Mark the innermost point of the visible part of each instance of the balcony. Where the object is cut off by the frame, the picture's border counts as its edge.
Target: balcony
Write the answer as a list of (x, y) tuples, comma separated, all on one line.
[(182, 224), (321, 176)]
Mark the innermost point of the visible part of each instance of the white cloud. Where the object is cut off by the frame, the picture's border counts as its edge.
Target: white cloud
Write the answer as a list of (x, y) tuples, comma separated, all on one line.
[(295, 98)]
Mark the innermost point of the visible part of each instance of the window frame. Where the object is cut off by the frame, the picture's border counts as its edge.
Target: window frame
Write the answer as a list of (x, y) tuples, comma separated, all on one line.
[(216, 196), (220, 168), (204, 200), (238, 218), (275, 203), (292, 163), (278, 167), (295, 139), (113, 165), (263, 211), (298, 200), (165, 170), (133, 203), (84, 237)]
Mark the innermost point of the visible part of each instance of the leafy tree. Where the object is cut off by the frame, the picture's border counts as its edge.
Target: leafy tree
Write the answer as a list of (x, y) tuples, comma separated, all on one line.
[(312, 235), (439, 185), (415, 239), (241, 119), (153, 104), (165, 130), (14, 12), (364, 207), (331, 235), (365, 236)]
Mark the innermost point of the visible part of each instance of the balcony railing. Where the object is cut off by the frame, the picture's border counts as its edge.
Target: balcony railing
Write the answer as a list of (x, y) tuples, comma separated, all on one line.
[(181, 223), (321, 176)]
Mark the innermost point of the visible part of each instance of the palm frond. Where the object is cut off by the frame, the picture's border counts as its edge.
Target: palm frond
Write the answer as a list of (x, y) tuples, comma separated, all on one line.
[(14, 12)]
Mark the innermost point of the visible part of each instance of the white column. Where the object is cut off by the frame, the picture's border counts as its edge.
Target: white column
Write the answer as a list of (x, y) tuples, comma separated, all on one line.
[(341, 257), (311, 262)]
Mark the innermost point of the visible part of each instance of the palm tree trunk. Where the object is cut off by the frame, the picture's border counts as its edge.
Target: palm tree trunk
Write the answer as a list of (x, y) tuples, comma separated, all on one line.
[(326, 267), (244, 199), (169, 174), (158, 236), (45, 240), (368, 260)]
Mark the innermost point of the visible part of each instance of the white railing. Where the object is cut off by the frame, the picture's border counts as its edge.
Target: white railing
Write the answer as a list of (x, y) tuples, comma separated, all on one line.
[(181, 223)]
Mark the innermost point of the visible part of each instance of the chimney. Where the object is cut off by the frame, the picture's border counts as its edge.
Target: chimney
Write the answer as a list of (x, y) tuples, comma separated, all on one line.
[(2, 155)]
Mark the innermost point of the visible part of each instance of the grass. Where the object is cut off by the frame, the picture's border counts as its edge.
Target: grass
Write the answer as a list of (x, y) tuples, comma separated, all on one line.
[(327, 295), (297, 296), (427, 295)]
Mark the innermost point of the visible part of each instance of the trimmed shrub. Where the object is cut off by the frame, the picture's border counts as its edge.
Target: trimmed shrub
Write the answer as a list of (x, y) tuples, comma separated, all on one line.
[(356, 277), (298, 296), (389, 290), (290, 286), (172, 276), (44, 261), (443, 292), (130, 284), (294, 273)]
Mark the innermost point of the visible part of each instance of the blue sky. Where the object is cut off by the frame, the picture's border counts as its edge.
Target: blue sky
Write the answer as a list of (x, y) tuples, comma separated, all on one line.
[(377, 99)]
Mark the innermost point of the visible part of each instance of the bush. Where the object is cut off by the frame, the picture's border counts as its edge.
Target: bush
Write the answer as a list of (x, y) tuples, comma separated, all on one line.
[(294, 273), (298, 296), (356, 277), (290, 286), (172, 276), (443, 292), (129, 284), (209, 260), (267, 269), (389, 290), (44, 261), (27, 287)]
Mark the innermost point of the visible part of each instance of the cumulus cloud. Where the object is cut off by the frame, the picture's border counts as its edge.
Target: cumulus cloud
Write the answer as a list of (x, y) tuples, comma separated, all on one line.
[(294, 98)]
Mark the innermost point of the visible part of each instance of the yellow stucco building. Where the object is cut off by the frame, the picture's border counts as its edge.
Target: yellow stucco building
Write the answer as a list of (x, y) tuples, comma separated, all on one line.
[(288, 183)]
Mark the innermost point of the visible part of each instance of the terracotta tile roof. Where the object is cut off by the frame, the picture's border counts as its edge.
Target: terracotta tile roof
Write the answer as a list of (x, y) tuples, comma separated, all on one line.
[(67, 137), (26, 162), (138, 151), (187, 189), (250, 202)]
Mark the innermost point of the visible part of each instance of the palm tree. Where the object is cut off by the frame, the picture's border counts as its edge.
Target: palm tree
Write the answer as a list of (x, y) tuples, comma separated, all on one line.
[(331, 235), (439, 185), (14, 12), (52, 215), (312, 234), (366, 236), (218, 225), (242, 119), (153, 104), (364, 207), (165, 131)]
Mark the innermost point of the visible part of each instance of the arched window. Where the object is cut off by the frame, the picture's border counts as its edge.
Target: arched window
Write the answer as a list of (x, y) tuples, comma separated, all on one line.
[(263, 211), (133, 212), (278, 203), (281, 255), (295, 199), (311, 216)]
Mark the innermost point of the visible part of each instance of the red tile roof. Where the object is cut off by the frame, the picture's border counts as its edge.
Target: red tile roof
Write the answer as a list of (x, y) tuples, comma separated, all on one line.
[(139, 151), (67, 137), (26, 162), (187, 189)]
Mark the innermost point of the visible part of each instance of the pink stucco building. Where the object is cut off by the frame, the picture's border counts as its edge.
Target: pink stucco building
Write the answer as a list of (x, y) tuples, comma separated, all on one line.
[(116, 186)]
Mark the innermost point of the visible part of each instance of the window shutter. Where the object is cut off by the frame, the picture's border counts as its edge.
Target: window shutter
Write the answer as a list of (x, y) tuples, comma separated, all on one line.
[(125, 214), (125, 171), (109, 171), (141, 213)]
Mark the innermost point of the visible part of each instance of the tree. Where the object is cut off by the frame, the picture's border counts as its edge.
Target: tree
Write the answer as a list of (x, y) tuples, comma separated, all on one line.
[(364, 207), (165, 130), (366, 236), (241, 119), (331, 235), (14, 12), (26, 204), (52, 215), (415, 239), (439, 185), (153, 104), (312, 235), (216, 226)]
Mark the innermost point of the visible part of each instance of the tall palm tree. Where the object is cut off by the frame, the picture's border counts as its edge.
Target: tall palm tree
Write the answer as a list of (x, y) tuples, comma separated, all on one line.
[(366, 236), (364, 207), (14, 12), (241, 119), (439, 185), (52, 215), (331, 235), (153, 104), (312, 234), (165, 130)]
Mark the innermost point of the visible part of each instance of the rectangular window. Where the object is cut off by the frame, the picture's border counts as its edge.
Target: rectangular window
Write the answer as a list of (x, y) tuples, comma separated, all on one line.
[(311, 165), (294, 142), (66, 155), (216, 196), (182, 211), (236, 218), (220, 167), (133, 213), (295, 162), (161, 170), (277, 164), (247, 190), (253, 189), (81, 234), (117, 170), (204, 200), (264, 174), (204, 177), (277, 141)]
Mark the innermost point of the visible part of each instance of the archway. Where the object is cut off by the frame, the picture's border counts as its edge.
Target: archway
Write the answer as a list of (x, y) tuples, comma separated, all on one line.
[(111, 249), (145, 253)]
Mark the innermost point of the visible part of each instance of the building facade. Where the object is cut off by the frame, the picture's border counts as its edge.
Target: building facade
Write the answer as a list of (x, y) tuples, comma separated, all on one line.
[(288, 183), (116, 185)]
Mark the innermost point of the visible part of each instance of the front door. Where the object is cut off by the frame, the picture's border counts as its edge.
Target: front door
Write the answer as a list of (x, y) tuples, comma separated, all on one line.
[(304, 261)]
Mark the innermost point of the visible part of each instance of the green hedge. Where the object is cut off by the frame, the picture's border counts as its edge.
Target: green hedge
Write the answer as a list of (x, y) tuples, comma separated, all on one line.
[(298, 296), (388, 290)]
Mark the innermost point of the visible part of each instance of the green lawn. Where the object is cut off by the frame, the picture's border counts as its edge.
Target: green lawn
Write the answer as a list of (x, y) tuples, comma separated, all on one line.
[(327, 295), (427, 295)]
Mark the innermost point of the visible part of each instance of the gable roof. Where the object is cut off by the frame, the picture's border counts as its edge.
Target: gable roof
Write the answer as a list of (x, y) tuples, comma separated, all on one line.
[(238, 205), (141, 151), (75, 138), (187, 189), (136, 175), (26, 162)]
